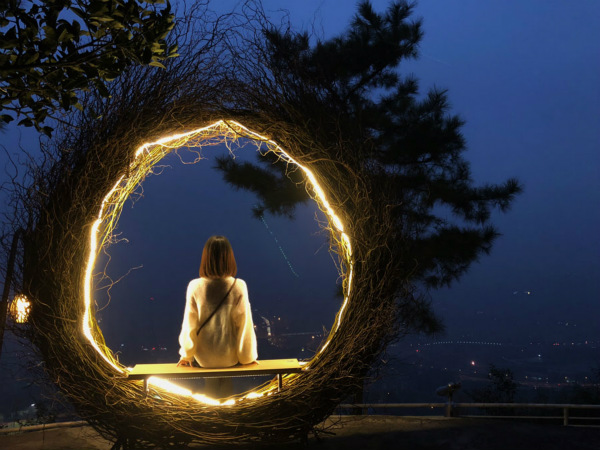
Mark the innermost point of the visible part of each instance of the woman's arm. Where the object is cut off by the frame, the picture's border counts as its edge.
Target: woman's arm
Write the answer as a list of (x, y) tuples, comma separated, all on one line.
[(246, 338), (189, 327)]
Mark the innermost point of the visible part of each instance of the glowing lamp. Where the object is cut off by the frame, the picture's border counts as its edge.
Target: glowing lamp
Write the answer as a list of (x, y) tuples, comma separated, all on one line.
[(19, 309)]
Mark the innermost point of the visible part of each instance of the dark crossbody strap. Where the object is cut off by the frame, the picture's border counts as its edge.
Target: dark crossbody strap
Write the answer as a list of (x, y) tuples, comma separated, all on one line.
[(217, 308)]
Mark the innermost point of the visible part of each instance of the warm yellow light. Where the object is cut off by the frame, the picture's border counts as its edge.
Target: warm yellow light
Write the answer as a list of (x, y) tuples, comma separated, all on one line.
[(145, 157), (201, 398), (19, 309), (252, 395), (87, 316)]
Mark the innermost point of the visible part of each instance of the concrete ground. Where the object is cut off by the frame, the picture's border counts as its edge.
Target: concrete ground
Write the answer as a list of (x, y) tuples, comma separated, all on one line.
[(369, 432)]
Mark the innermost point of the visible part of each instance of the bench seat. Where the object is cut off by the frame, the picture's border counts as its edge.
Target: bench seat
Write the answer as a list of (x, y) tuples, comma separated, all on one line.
[(277, 367)]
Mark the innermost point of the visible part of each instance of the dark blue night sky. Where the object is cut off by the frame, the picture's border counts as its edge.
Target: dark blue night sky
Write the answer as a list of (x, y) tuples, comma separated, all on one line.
[(286, 263), (525, 77)]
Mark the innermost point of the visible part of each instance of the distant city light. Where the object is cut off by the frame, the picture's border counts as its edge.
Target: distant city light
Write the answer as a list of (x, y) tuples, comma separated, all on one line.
[(472, 363)]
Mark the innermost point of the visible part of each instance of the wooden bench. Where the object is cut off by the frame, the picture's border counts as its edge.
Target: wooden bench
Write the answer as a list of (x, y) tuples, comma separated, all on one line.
[(277, 367)]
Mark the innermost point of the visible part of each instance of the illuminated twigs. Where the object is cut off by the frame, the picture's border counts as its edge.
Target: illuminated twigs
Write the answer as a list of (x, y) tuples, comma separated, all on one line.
[(145, 157)]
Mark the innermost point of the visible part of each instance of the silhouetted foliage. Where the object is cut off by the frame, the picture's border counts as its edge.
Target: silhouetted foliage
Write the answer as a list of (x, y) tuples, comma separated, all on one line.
[(501, 389), (51, 50), (410, 143), (275, 185)]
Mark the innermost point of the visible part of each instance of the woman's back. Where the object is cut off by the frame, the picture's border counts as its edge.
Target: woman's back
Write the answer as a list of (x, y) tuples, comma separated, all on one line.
[(228, 337)]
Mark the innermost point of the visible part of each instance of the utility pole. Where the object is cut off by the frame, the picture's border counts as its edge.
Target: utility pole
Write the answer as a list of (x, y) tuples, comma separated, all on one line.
[(7, 282)]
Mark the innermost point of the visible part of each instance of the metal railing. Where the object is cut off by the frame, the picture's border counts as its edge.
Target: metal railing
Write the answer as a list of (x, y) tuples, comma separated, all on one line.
[(453, 409), (15, 427)]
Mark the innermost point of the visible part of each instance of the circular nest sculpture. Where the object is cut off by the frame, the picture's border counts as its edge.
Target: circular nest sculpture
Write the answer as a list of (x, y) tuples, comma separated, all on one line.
[(73, 204)]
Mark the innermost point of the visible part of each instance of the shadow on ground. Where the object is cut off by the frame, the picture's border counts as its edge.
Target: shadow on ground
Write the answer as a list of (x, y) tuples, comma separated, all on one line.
[(370, 432), (425, 433)]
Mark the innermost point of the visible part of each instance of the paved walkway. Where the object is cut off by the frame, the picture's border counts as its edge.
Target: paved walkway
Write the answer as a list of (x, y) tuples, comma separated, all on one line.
[(370, 432)]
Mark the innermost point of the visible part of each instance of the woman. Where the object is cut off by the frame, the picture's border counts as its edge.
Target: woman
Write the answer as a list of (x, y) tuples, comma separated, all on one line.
[(217, 329)]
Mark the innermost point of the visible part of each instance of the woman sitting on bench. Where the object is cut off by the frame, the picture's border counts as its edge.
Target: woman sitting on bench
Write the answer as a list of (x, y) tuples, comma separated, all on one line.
[(217, 329)]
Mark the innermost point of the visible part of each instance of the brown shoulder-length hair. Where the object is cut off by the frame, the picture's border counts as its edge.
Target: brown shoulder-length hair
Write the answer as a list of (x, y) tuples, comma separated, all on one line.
[(218, 260)]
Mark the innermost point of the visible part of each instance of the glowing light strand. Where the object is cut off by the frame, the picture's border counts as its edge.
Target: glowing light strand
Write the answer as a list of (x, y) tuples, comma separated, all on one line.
[(87, 317), (150, 153)]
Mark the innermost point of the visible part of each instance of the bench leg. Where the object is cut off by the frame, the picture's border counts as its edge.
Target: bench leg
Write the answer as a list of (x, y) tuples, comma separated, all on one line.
[(146, 389), (279, 382)]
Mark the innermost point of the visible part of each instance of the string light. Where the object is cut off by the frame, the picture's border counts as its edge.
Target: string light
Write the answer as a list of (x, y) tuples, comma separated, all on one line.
[(145, 157)]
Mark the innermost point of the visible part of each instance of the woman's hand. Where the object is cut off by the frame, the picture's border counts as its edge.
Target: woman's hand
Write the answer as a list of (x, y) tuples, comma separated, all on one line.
[(184, 363)]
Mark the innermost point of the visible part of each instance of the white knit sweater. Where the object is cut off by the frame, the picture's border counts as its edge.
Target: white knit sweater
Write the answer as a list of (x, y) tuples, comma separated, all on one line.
[(229, 337)]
